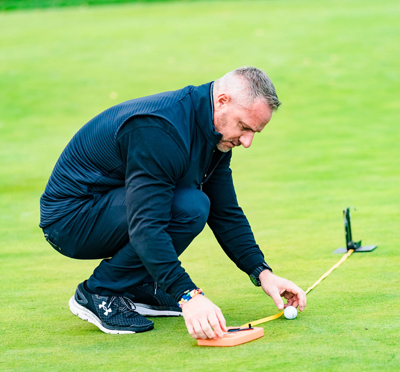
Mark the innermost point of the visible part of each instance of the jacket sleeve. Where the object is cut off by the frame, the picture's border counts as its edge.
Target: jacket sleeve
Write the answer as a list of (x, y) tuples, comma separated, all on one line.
[(227, 220), (154, 162)]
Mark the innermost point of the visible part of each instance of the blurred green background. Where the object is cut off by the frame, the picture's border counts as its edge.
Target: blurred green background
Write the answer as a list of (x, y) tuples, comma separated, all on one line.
[(333, 144), (32, 4)]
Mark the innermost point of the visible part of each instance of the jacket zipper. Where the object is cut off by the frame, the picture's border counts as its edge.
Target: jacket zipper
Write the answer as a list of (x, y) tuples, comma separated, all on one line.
[(208, 175)]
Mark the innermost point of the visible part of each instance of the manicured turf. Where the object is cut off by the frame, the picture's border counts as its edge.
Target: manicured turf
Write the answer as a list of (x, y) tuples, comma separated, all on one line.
[(333, 144), (34, 4)]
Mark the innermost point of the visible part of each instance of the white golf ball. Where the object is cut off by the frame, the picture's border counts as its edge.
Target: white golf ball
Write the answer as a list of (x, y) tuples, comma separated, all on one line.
[(290, 312)]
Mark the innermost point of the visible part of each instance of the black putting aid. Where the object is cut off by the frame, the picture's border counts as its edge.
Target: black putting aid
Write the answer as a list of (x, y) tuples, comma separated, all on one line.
[(349, 239)]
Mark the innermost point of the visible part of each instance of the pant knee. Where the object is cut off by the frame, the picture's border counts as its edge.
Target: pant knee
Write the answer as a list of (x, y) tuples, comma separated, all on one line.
[(191, 207)]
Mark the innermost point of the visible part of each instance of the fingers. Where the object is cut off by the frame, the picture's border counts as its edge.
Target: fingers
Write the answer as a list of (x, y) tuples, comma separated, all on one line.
[(298, 298), (195, 329), (201, 328), (199, 332), (302, 300), (287, 295), (276, 297), (206, 329), (203, 319), (221, 320), (215, 324), (277, 287), (293, 301)]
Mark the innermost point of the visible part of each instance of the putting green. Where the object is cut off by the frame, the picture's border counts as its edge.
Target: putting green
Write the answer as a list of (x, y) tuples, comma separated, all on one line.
[(333, 144)]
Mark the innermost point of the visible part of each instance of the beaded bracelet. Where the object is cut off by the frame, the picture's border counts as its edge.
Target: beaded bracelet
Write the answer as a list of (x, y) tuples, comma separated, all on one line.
[(188, 295)]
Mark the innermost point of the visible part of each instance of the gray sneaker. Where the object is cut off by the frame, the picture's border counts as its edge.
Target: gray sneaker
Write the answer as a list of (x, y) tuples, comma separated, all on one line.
[(151, 300), (112, 314)]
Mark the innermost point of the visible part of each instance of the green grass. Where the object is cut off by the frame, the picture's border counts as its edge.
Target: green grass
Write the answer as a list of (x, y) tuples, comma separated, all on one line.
[(34, 4), (333, 144)]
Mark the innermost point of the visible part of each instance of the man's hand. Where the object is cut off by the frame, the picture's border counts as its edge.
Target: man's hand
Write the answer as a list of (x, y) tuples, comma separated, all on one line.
[(200, 315), (277, 287)]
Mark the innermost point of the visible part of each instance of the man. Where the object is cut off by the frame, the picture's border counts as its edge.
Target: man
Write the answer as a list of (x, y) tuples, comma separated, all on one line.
[(139, 182)]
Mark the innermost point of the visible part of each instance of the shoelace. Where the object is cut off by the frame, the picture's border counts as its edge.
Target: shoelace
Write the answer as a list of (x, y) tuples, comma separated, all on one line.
[(129, 305)]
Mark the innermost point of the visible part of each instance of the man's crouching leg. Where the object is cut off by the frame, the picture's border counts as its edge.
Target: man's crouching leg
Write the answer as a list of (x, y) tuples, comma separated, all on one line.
[(124, 272), (121, 291), (97, 230), (190, 211)]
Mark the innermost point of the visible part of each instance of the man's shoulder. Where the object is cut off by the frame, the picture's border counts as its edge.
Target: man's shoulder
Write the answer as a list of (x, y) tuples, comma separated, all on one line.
[(156, 102), (153, 130), (149, 121)]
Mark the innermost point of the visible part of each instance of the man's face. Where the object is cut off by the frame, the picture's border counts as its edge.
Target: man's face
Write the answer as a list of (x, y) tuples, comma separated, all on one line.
[(237, 123)]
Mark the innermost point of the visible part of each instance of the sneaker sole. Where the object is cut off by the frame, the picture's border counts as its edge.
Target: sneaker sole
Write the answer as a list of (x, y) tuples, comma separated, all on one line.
[(86, 314), (145, 311)]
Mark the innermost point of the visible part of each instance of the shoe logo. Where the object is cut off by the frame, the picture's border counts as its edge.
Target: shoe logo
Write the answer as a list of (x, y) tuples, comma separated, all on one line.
[(106, 310)]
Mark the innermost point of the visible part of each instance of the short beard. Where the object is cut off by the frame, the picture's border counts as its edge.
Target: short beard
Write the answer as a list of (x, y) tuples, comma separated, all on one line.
[(220, 148)]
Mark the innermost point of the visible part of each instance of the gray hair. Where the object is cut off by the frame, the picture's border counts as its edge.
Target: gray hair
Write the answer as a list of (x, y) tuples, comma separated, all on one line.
[(259, 85)]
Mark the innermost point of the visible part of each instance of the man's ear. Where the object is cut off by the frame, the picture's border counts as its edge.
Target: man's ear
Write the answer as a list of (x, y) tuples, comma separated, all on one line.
[(222, 100)]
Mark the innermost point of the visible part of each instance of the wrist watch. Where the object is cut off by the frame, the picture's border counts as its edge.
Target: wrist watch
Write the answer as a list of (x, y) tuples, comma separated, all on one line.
[(255, 275)]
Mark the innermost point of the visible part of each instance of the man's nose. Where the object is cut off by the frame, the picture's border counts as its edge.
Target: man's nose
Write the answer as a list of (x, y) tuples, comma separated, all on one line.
[(246, 139)]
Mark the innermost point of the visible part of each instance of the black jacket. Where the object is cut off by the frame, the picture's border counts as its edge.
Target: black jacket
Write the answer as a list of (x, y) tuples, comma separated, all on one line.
[(175, 150)]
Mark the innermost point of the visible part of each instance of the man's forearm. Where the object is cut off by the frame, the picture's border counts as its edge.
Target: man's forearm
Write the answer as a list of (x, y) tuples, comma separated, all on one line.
[(150, 183), (228, 222)]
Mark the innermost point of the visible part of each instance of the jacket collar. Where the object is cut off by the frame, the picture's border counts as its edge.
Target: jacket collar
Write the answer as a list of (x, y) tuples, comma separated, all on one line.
[(202, 101)]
